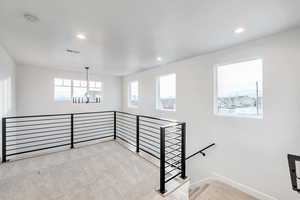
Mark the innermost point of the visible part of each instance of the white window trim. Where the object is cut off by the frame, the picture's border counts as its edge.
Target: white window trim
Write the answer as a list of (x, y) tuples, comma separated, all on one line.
[(157, 83), (128, 94), (71, 86), (215, 89)]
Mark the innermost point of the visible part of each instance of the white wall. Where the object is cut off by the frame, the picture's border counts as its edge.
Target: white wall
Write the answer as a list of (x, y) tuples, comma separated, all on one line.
[(7, 87), (252, 152), (35, 89)]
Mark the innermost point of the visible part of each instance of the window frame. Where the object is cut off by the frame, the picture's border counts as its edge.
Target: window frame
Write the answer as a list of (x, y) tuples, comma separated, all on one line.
[(55, 85), (129, 94), (157, 98), (215, 89), (72, 86)]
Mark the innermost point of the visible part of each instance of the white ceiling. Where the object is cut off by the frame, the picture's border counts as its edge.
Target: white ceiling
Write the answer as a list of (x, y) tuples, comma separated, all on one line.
[(124, 36)]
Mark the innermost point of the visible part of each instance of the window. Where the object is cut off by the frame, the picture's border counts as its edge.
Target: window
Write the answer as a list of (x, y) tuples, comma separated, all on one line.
[(95, 88), (79, 88), (66, 89), (62, 89), (133, 94), (239, 89), (166, 92)]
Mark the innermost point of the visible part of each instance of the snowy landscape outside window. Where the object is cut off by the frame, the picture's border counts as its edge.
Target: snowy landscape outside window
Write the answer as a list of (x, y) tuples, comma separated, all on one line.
[(239, 90), (133, 94), (166, 92)]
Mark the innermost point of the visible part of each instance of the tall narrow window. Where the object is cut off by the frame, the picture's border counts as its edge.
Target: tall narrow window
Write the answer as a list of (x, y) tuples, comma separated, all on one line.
[(166, 92), (62, 89), (239, 89), (133, 94)]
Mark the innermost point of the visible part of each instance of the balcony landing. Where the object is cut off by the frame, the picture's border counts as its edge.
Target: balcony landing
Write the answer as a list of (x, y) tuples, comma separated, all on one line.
[(101, 171)]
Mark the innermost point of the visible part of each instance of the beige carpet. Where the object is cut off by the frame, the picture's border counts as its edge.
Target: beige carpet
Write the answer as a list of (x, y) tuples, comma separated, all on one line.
[(218, 191), (105, 171)]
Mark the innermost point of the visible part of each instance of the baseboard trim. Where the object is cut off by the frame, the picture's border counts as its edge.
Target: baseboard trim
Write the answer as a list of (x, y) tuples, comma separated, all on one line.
[(244, 188)]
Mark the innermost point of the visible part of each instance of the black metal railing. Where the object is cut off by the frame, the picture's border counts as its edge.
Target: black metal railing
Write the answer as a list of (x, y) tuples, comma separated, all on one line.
[(163, 139), (292, 159)]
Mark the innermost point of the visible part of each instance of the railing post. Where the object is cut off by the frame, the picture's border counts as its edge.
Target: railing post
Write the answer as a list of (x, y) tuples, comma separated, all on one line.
[(3, 140), (162, 160), (72, 131), (183, 142), (137, 133), (115, 125)]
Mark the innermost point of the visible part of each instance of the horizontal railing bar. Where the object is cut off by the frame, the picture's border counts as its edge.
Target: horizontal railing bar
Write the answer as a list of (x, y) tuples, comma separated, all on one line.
[(95, 122), (128, 119), (25, 125), (45, 148), (100, 125), (32, 129), (172, 177), (157, 133), (172, 125), (37, 145), (146, 121), (23, 134), (86, 133), (41, 136), (8, 122), (156, 142), (149, 126), (86, 113), (174, 144), (120, 112), (174, 165), (141, 132), (150, 148), (93, 135), (93, 119), (22, 143), (121, 132), (127, 130), (160, 119), (77, 142), (151, 144), (126, 127), (178, 155), (125, 140), (129, 125), (37, 116), (76, 117), (146, 151), (91, 129)]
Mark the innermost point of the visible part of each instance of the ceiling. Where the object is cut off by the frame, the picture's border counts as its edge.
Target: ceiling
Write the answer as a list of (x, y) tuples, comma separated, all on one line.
[(125, 36)]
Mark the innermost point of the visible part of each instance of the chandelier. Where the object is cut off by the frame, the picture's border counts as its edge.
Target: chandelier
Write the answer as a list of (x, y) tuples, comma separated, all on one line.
[(89, 96)]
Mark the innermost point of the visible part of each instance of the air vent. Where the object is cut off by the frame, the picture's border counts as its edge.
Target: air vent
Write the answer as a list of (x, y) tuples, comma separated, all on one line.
[(72, 51), (31, 18)]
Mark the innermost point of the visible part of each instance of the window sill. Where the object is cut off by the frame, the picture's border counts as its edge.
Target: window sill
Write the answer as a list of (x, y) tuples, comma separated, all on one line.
[(166, 110), (133, 107), (238, 116)]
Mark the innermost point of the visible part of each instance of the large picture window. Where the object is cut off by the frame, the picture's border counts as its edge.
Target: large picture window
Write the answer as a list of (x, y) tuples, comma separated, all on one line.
[(166, 92), (239, 90), (133, 94), (65, 89), (62, 89)]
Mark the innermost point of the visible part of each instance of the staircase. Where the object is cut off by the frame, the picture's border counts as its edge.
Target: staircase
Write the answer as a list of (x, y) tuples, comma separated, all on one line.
[(217, 191)]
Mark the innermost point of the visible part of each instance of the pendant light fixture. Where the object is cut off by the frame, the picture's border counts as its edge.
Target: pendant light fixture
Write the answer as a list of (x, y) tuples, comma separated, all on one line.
[(89, 96)]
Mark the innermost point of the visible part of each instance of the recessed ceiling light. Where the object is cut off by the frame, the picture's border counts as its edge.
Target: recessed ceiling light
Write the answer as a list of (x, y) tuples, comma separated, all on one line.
[(159, 59), (239, 30), (81, 36), (31, 18)]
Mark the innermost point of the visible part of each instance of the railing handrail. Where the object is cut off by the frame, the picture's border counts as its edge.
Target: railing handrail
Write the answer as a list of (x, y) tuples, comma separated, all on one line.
[(201, 151)]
